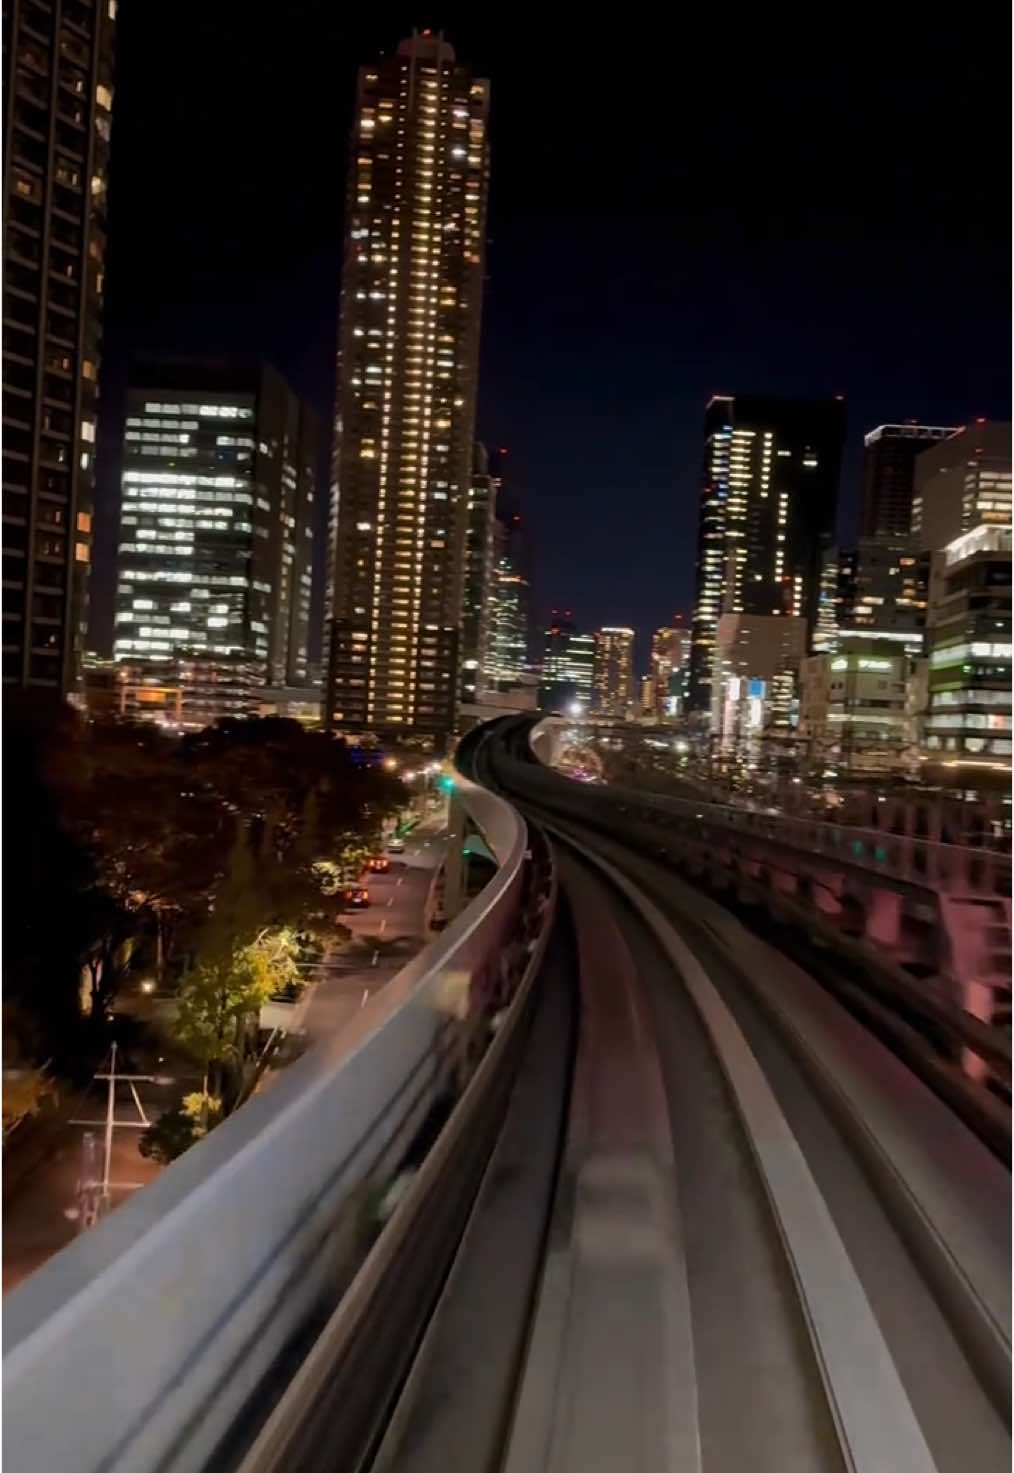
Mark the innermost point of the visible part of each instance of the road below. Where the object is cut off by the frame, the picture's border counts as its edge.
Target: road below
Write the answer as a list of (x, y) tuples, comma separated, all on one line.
[(40, 1208), (385, 934)]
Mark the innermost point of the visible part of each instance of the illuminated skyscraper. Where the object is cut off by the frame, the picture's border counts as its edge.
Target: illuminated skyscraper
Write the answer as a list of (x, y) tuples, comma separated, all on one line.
[(769, 498), (407, 368), (567, 667), (613, 672), (479, 574), (670, 653), (58, 70), (216, 537), (888, 475)]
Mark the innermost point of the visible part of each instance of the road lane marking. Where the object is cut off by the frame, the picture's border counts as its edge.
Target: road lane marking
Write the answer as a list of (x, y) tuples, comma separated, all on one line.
[(383, 924)]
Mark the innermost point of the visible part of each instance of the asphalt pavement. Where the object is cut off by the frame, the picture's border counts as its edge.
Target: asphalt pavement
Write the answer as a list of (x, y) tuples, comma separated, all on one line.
[(386, 933)]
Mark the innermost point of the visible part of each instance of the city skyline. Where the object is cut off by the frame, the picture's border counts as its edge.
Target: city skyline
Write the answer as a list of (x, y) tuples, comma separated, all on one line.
[(616, 428)]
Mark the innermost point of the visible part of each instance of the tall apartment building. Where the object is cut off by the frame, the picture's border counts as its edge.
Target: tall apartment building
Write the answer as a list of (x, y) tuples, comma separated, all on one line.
[(967, 721), (215, 556), (962, 483), (670, 653), (613, 672), (768, 503), (58, 70), (568, 664), (889, 458), (411, 302), (479, 572)]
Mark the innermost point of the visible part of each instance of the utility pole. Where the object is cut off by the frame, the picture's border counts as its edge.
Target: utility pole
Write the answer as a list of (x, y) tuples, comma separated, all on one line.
[(94, 1193)]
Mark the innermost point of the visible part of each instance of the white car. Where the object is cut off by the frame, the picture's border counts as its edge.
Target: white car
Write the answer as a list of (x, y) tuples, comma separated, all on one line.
[(396, 845)]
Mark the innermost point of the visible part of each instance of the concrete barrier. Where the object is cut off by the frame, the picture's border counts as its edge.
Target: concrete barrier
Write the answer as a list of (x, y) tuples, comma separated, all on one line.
[(137, 1347)]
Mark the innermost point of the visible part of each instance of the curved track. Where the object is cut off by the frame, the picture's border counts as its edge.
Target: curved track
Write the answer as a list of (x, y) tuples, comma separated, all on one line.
[(722, 1226), (825, 1327)]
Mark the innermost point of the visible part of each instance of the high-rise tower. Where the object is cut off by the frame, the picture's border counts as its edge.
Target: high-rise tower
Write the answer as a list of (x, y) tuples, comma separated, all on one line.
[(889, 459), (769, 498), (58, 69), (407, 369)]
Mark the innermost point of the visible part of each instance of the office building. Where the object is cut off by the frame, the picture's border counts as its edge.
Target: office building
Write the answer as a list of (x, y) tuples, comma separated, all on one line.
[(479, 548), (855, 712), (879, 587), (216, 537), (58, 70), (889, 458), (567, 668), (769, 498), (754, 680), (408, 347), (613, 672), (967, 720), (962, 483)]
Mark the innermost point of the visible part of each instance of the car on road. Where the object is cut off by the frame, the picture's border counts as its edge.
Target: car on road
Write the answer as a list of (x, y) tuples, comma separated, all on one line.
[(396, 845), (378, 864), (356, 896)]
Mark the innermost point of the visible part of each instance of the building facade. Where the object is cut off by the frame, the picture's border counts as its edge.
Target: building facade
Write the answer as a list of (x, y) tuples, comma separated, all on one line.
[(855, 711), (58, 63), (215, 559), (967, 719), (755, 674), (670, 655), (889, 458), (613, 672), (962, 483), (881, 585), (479, 570), (410, 309), (568, 664), (768, 504)]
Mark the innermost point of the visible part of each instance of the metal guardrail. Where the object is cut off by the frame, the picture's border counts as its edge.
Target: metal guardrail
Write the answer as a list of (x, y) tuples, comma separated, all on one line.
[(138, 1347)]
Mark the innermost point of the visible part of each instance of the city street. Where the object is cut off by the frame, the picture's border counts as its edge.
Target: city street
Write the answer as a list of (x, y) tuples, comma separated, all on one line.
[(388, 932), (40, 1194), (36, 1205)]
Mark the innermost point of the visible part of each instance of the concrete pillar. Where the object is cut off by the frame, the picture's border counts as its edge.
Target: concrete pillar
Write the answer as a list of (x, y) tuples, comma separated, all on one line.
[(883, 919), (977, 999)]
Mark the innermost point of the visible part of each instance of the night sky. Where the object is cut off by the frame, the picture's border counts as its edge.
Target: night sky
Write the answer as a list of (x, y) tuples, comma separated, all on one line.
[(679, 209)]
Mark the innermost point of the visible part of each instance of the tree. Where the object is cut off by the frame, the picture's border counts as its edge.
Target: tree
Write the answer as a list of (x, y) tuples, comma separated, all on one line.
[(242, 962)]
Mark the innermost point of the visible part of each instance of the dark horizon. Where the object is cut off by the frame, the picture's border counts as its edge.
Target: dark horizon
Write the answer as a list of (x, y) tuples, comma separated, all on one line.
[(660, 230)]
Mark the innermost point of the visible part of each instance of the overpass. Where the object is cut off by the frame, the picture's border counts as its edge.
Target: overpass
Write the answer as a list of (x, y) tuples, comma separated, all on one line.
[(667, 1197)]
